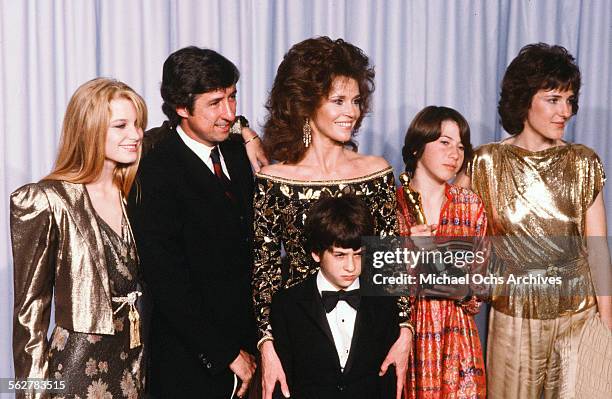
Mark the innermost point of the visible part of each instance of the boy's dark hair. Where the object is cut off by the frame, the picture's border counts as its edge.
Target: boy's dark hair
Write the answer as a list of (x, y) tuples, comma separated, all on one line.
[(191, 71), (337, 222), (536, 67)]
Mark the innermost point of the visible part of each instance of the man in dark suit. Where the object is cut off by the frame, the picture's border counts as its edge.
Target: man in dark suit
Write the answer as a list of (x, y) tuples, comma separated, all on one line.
[(331, 341), (192, 219)]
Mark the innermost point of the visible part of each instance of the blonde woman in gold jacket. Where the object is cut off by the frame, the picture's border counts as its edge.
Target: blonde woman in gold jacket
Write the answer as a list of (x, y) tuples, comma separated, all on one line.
[(71, 239)]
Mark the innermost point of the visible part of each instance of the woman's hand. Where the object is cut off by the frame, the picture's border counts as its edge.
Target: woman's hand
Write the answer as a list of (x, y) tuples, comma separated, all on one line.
[(271, 371), (254, 149), (423, 230), (398, 356), (421, 234)]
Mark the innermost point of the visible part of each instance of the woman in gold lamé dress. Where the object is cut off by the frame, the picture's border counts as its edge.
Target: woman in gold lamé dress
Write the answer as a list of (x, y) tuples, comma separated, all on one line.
[(72, 241), (543, 196), (319, 98), (447, 357)]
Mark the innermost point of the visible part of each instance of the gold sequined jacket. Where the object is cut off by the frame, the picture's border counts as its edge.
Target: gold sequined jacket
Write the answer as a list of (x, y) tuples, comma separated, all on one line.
[(56, 246)]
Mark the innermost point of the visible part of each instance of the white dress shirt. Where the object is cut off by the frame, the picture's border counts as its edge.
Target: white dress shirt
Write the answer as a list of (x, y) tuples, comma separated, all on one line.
[(202, 151), (341, 320)]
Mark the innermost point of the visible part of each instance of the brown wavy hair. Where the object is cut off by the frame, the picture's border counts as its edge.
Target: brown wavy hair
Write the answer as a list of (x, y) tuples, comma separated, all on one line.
[(536, 67), (303, 79), (426, 127), (81, 154)]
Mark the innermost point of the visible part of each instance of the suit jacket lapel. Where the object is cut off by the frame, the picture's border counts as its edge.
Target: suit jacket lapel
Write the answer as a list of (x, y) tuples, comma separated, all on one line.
[(195, 169), (236, 175), (84, 216)]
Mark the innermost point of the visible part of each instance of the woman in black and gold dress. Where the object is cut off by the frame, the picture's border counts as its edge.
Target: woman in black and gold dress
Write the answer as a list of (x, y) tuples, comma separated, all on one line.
[(72, 243), (320, 95)]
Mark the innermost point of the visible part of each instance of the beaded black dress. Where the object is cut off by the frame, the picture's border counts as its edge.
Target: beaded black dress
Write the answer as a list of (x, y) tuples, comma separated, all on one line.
[(281, 206)]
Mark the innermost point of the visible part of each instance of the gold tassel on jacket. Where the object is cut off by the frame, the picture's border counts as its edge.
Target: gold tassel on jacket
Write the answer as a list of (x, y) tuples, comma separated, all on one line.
[(133, 316)]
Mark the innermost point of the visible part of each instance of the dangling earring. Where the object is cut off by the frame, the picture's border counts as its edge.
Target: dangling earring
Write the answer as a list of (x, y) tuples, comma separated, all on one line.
[(307, 133)]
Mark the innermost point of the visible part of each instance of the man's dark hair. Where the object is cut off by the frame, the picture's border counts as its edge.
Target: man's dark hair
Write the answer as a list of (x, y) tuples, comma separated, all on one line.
[(536, 67), (337, 222), (191, 71)]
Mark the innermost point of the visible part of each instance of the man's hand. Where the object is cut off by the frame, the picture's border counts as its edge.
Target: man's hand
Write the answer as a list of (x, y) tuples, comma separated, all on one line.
[(244, 367), (254, 149), (272, 371), (398, 356)]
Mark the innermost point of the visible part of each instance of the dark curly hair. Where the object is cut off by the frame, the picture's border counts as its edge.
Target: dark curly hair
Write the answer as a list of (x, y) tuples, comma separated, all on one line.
[(536, 67), (303, 79), (337, 222), (191, 71), (427, 127)]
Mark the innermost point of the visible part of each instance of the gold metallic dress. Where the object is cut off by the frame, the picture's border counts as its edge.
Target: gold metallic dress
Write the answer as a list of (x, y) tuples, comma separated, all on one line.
[(537, 202), (103, 366), (281, 206)]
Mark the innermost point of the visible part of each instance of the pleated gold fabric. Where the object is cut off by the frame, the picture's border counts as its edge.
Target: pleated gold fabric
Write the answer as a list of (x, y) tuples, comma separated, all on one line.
[(585, 356), (532, 199), (56, 245), (521, 362), (535, 201)]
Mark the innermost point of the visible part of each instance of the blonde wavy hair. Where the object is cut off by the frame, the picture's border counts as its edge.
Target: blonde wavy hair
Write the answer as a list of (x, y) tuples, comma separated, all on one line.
[(81, 152)]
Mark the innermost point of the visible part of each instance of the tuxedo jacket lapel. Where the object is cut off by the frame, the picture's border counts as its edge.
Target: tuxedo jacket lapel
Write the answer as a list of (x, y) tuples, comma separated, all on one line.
[(363, 319), (313, 307)]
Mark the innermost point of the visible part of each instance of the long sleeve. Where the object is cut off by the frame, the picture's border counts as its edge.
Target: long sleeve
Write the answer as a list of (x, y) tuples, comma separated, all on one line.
[(34, 242), (158, 227), (267, 254), (481, 247), (384, 209)]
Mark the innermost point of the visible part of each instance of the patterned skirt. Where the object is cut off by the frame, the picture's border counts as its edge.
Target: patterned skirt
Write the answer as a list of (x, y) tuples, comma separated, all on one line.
[(97, 366), (103, 366), (447, 361)]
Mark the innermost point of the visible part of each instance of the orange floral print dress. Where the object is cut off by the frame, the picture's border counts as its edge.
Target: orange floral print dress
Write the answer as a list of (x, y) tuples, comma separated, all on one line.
[(447, 360)]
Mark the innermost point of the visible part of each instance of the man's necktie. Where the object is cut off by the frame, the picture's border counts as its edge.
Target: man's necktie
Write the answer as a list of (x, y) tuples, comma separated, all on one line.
[(225, 181), (331, 298)]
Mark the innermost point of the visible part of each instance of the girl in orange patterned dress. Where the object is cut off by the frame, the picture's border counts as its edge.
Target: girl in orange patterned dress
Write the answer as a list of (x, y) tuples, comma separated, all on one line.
[(447, 361)]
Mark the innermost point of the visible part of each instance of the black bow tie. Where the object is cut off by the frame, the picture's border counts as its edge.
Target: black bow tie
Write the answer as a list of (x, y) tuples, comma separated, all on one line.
[(331, 298)]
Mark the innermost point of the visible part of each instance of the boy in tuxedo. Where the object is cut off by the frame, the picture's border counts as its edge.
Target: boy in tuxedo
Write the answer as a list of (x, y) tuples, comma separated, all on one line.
[(331, 340)]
